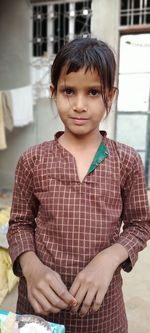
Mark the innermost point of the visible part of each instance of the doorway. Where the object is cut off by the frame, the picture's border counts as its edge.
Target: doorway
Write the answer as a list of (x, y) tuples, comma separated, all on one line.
[(133, 110)]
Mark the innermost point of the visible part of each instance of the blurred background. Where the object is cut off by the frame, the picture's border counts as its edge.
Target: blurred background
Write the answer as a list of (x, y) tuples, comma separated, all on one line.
[(31, 33)]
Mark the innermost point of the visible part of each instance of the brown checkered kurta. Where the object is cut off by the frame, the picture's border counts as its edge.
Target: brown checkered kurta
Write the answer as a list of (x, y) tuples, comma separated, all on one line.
[(67, 222)]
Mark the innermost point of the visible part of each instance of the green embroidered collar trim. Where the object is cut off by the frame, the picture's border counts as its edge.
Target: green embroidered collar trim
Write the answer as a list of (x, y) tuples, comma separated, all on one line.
[(101, 154)]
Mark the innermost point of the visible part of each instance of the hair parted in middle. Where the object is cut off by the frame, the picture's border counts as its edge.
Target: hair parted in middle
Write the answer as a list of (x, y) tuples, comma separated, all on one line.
[(91, 54)]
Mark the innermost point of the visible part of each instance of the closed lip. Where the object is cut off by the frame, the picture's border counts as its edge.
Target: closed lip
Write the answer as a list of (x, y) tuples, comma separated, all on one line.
[(79, 118)]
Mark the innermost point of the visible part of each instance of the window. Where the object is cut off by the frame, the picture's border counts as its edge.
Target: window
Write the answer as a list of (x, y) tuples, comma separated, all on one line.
[(58, 22), (135, 12), (39, 30), (52, 24)]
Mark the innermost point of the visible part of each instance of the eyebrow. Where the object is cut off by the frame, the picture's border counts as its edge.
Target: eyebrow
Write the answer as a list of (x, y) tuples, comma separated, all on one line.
[(97, 85)]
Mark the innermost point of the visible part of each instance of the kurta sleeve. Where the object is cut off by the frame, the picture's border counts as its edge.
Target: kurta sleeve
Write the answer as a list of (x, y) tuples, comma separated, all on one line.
[(23, 212), (136, 212)]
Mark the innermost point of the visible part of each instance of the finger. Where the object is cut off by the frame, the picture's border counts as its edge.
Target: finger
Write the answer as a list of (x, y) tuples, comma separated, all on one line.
[(36, 306), (74, 288), (55, 300), (87, 302), (44, 304), (98, 301), (45, 293), (61, 290), (81, 293)]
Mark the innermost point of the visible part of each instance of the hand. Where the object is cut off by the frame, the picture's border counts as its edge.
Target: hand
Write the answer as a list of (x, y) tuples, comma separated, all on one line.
[(91, 284), (46, 291)]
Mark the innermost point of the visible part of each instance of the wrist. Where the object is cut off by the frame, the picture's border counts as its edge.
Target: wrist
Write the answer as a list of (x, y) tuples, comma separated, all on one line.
[(116, 254), (28, 260), (120, 253)]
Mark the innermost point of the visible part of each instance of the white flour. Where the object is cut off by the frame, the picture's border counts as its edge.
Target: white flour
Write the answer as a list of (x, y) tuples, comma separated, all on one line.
[(33, 328)]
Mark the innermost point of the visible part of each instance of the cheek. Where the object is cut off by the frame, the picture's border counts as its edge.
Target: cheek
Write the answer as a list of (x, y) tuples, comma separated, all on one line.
[(100, 112), (100, 106), (61, 107), (59, 103), (59, 99), (63, 104)]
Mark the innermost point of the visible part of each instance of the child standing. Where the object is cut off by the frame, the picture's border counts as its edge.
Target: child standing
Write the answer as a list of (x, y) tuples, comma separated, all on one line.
[(71, 197)]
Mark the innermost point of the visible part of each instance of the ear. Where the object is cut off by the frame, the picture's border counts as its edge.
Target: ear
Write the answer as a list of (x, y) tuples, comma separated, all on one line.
[(111, 95), (53, 91)]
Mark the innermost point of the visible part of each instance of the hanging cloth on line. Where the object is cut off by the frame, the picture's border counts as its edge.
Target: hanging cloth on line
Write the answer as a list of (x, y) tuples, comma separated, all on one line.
[(22, 106)]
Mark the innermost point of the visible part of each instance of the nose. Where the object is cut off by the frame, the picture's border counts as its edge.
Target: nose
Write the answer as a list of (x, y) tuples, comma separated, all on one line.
[(80, 103)]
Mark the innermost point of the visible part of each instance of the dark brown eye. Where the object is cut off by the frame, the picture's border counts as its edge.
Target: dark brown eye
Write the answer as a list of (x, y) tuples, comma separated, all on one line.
[(68, 91), (94, 92)]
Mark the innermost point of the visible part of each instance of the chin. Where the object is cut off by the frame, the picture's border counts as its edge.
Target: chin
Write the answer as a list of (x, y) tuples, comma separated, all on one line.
[(80, 133)]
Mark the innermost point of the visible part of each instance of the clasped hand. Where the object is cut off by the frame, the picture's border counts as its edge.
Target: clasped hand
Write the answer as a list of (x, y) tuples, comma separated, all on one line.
[(47, 292), (91, 284)]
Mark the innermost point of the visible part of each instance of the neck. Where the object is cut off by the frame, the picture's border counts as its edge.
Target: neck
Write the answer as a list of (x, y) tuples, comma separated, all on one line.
[(81, 142)]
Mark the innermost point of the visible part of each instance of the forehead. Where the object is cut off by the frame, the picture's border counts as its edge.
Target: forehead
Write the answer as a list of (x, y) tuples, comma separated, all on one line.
[(82, 76)]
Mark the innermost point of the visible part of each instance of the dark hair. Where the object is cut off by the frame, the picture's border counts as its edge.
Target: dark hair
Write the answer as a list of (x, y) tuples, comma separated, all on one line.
[(90, 53)]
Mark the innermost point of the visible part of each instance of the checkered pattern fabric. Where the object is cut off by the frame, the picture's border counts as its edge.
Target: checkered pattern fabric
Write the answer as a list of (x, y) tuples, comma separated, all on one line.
[(67, 222)]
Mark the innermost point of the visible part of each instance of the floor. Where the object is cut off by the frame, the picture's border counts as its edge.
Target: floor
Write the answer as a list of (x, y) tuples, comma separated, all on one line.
[(136, 294)]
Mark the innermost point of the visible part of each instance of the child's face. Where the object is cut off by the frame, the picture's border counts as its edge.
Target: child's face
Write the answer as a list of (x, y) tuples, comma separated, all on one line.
[(79, 101)]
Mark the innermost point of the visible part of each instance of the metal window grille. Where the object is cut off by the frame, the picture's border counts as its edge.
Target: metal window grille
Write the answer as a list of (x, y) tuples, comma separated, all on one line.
[(58, 22), (53, 23), (135, 12), (39, 30)]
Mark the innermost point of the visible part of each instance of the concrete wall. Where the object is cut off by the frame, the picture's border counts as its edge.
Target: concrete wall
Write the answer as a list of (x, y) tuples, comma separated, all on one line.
[(15, 72), (105, 23)]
